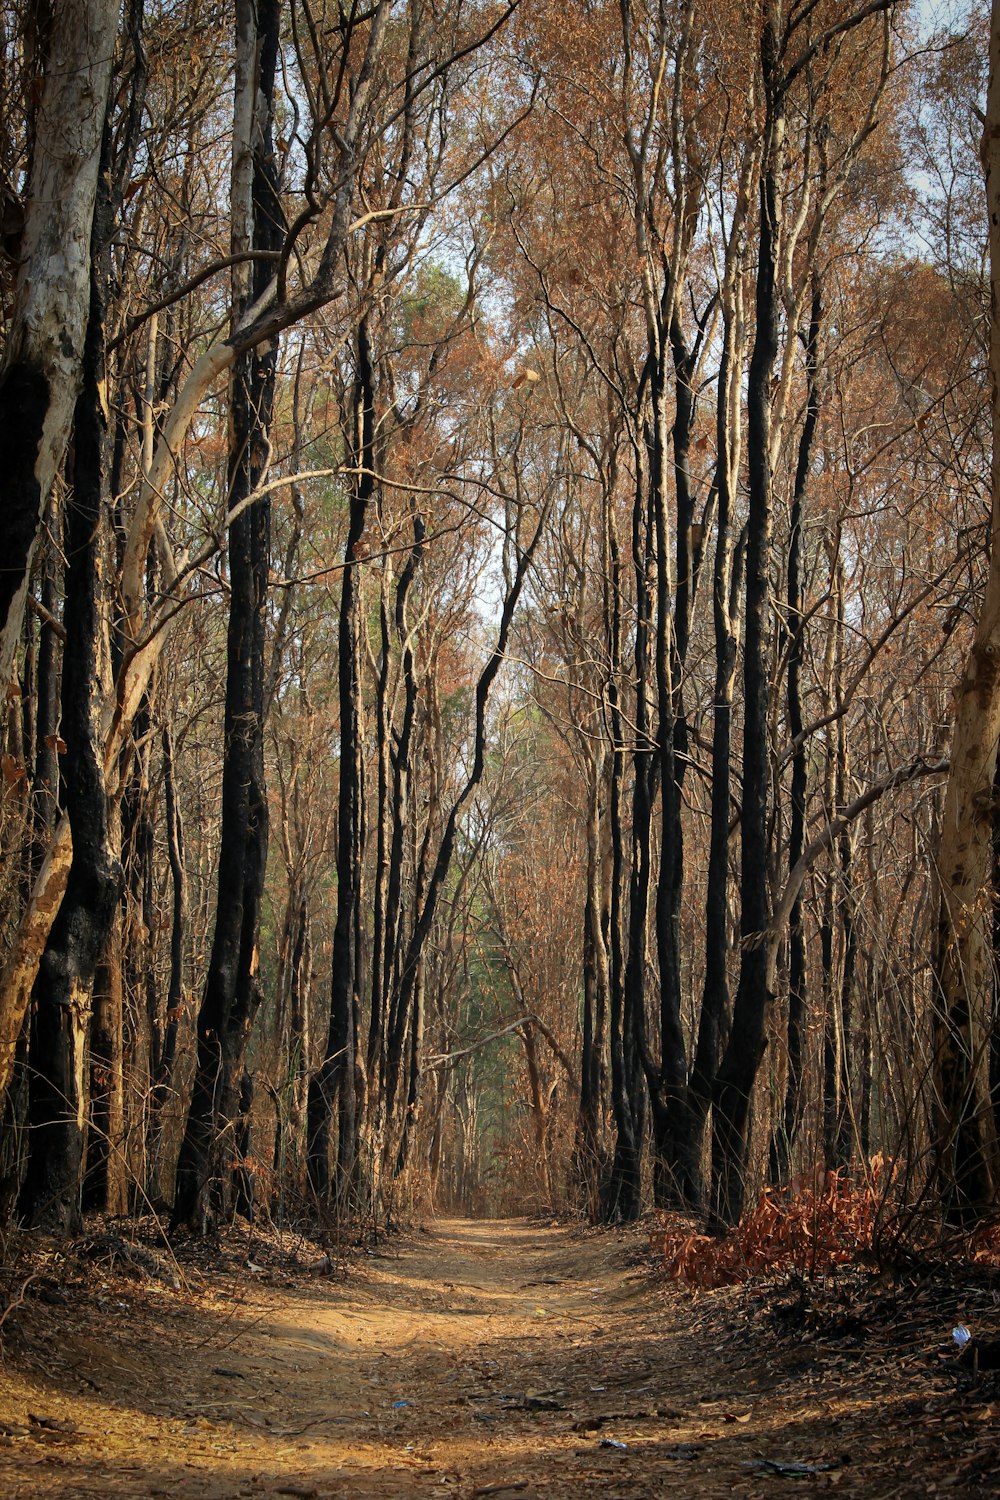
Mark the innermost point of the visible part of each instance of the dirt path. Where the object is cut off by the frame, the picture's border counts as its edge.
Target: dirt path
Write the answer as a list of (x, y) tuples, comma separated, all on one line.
[(478, 1359)]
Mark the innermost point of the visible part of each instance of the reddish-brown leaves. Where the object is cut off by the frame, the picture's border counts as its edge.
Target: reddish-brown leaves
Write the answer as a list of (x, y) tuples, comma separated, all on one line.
[(819, 1221)]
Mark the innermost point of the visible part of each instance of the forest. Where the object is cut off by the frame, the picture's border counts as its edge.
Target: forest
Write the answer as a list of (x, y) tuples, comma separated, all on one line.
[(498, 621)]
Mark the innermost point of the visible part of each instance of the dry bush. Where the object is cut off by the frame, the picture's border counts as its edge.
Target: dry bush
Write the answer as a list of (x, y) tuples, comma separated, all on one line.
[(819, 1221)]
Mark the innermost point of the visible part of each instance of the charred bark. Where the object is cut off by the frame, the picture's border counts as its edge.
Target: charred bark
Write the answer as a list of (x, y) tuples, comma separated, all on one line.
[(384, 1049), (232, 989), (667, 1079), (621, 1191), (333, 1085), (741, 1059), (726, 587), (784, 1137), (164, 1030), (589, 1155)]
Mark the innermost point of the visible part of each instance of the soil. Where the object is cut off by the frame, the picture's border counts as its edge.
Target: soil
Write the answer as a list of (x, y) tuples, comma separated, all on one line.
[(475, 1359)]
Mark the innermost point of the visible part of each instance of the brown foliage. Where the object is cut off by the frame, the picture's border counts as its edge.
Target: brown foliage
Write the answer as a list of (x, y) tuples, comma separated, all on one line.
[(819, 1221)]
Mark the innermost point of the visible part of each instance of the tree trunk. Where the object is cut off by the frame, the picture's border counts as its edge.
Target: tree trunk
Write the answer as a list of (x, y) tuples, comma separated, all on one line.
[(667, 1087), (965, 1126), (384, 1048), (726, 587), (232, 988), (163, 1038), (634, 1041), (588, 1153), (40, 697), (738, 1068), (845, 857), (45, 777), (105, 1186), (136, 949), (334, 1083), (785, 1134), (51, 1194), (44, 354), (621, 1196)]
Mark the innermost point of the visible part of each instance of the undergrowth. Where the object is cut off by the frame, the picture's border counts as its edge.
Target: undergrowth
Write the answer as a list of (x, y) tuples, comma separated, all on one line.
[(811, 1226), (819, 1222)]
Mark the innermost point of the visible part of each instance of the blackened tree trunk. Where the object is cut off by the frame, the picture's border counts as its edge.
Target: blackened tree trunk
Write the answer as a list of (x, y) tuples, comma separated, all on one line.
[(105, 1185), (134, 944), (726, 588), (675, 1179), (847, 1121), (846, 1118), (384, 1046), (738, 1068), (232, 989), (414, 1079), (621, 1194), (299, 1038), (333, 1085), (830, 1029), (634, 1038), (381, 916), (784, 1137), (667, 1080), (588, 1154), (164, 1028), (827, 932)]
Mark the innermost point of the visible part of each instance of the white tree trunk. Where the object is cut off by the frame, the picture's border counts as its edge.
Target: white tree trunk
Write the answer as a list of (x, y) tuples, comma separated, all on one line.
[(18, 976), (41, 371)]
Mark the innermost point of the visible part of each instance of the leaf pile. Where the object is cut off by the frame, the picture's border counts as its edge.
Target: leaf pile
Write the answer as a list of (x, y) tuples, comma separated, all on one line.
[(982, 1247), (809, 1227)]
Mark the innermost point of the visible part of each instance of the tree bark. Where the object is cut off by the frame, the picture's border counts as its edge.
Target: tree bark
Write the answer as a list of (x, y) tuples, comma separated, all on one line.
[(163, 1040), (621, 1191), (738, 1068), (44, 354), (785, 1134), (965, 1126), (726, 588), (588, 1151), (63, 989), (232, 989), (334, 1083)]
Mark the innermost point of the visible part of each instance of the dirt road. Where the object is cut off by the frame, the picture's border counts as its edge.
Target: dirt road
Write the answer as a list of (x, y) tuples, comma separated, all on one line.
[(476, 1359)]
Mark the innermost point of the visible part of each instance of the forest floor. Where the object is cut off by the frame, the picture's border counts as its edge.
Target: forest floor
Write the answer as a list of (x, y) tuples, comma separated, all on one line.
[(478, 1359)]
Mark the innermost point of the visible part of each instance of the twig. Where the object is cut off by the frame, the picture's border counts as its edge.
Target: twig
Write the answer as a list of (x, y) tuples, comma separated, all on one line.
[(19, 1299)]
